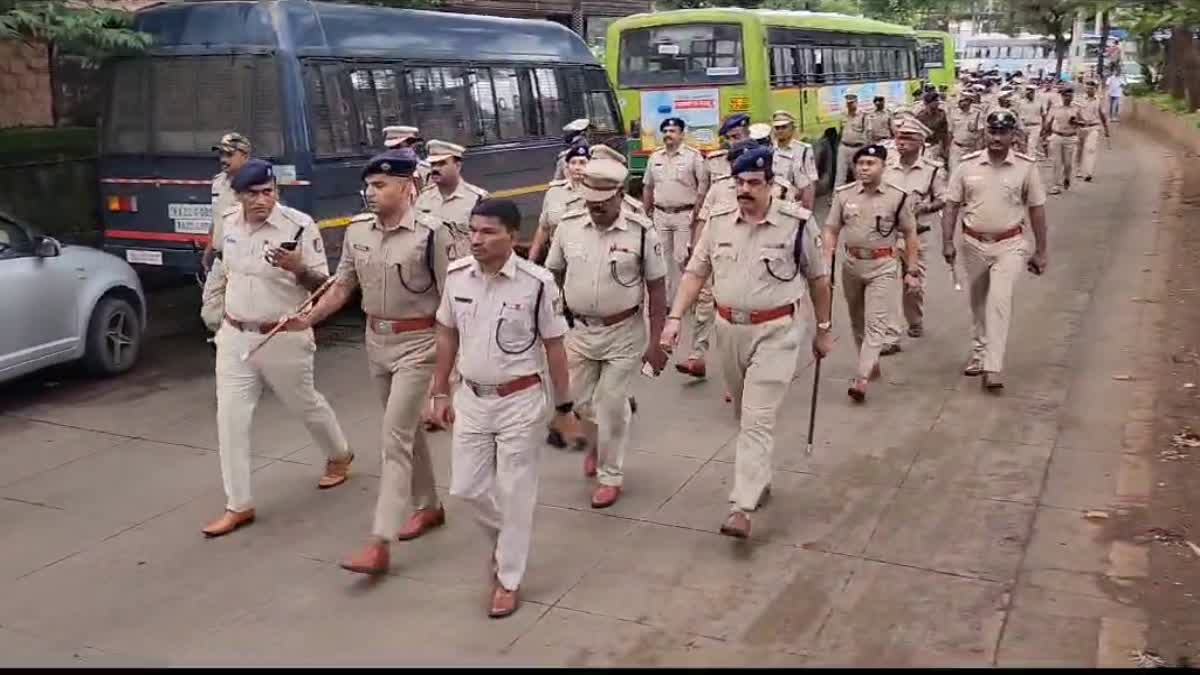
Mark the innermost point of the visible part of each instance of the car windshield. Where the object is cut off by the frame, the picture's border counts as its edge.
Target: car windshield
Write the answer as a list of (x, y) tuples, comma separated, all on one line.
[(1131, 69)]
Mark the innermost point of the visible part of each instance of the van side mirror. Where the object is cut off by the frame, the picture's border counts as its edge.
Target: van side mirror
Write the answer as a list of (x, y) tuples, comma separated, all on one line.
[(46, 247)]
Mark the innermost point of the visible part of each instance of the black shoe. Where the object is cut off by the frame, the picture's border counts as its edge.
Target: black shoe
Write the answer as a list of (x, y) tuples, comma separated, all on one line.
[(890, 349), (1066, 185), (1087, 179), (632, 405)]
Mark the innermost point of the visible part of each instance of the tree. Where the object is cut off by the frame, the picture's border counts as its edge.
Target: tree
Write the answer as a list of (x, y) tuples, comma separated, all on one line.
[(1049, 17), (92, 33)]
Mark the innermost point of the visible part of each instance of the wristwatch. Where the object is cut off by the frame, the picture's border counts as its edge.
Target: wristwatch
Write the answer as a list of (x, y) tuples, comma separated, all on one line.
[(825, 325), (565, 407)]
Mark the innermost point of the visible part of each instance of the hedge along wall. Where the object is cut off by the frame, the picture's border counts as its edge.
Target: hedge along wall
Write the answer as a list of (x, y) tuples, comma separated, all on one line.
[(48, 178)]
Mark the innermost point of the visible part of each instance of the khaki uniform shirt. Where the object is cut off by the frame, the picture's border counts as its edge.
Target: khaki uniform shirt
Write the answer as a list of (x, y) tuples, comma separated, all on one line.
[(723, 192), (223, 199), (1029, 112), (795, 163), (753, 264), (1089, 110), (632, 205), (869, 218), (1061, 116), (879, 125), (561, 197), (925, 182), (501, 319), (717, 163), (560, 166), (256, 290), (966, 127), (995, 197), (677, 178), (606, 267), (854, 129), (392, 266), (453, 212)]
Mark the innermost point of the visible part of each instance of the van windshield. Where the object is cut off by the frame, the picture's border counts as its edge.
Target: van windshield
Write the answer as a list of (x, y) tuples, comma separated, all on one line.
[(183, 105)]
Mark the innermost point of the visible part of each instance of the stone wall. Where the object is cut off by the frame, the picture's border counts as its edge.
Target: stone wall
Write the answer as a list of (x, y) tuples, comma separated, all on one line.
[(24, 86)]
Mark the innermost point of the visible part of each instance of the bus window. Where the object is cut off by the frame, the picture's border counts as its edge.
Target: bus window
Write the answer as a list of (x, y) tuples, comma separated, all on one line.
[(330, 110), (550, 103), (783, 66), (804, 65), (843, 64), (197, 99), (441, 101), (681, 54)]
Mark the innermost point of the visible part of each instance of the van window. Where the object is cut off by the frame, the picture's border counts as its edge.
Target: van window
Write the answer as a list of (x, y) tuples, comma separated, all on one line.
[(550, 103), (442, 104), (329, 107)]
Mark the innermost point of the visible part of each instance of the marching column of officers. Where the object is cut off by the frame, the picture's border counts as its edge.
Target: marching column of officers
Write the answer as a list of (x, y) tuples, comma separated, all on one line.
[(462, 332)]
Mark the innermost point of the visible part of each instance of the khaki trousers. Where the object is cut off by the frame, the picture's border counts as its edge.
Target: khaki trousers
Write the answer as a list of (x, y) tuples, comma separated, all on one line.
[(870, 288), (603, 361), (400, 366), (845, 164), (212, 298), (286, 366), (1086, 149), (700, 321), (759, 362), (992, 269), (912, 305), (1062, 153), (1033, 141), (675, 232), (493, 464)]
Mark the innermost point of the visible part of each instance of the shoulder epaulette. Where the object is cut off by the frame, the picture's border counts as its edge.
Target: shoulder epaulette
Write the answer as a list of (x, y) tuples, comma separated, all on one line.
[(722, 210), (935, 163), (294, 216), (478, 191), (1024, 156), (536, 271), (633, 204), (231, 211), (563, 153), (972, 155), (794, 209), (715, 154), (363, 218), (638, 218), (895, 187), (573, 213), (782, 152), (424, 218), (562, 182), (218, 176), (427, 188), (722, 177), (459, 264), (847, 185)]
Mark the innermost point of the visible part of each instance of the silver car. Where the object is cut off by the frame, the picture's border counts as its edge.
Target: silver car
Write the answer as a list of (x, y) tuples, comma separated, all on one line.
[(65, 303)]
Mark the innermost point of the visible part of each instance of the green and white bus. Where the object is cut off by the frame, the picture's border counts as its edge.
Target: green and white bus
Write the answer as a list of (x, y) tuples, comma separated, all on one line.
[(937, 57), (705, 64)]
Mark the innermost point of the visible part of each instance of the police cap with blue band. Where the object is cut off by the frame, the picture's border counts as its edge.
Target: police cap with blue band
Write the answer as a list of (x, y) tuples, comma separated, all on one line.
[(400, 162), (672, 122), (253, 172), (578, 149), (877, 151), (753, 159), (733, 122)]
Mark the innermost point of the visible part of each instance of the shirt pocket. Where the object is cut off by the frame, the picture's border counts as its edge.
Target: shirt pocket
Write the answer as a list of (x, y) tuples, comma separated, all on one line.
[(1014, 194), (775, 263), (514, 328), (724, 261), (411, 268), (624, 266)]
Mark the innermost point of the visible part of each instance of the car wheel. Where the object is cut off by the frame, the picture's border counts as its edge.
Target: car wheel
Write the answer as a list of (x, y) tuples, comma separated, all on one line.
[(114, 337)]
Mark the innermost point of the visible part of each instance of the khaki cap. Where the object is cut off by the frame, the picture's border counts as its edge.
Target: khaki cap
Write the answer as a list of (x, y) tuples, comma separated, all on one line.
[(759, 131), (602, 179), (393, 136), (232, 142), (440, 151), (911, 126), (580, 124), (601, 151), (782, 118)]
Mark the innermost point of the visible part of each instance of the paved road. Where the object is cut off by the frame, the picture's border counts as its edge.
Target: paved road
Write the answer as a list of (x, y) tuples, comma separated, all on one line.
[(937, 525)]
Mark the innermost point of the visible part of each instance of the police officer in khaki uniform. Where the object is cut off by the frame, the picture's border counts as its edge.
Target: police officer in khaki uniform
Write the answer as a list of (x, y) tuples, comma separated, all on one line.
[(274, 259), (607, 259), (1062, 128), (675, 182), (561, 197), (966, 128), (233, 151), (1091, 115), (602, 151), (794, 160), (879, 121), (924, 180), (760, 254), (574, 132), (497, 313), (1029, 111), (398, 258), (994, 188), (407, 137), (852, 135), (868, 216), (449, 199), (734, 130)]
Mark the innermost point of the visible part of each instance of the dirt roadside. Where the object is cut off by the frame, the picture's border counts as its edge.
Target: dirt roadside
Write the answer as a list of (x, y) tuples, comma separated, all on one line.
[(1173, 593)]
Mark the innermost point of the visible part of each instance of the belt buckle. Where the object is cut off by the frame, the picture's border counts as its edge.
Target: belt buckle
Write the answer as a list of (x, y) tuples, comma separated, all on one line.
[(487, 390), (383, 327), (739, 316)]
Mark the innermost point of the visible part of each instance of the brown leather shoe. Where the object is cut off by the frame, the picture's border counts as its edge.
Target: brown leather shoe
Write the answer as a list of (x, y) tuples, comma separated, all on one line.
[(420, 522), (974, 367), (858, 390), (228, 522), (605, 496), (589, 463), (504, 602), (993, 382), (336, 471), (374, 559), (916, 330), (889, 349), (737, 525), (693, 366)]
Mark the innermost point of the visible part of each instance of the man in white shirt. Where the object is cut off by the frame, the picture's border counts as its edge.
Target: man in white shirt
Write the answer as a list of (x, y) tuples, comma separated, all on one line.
[(1115, 82)]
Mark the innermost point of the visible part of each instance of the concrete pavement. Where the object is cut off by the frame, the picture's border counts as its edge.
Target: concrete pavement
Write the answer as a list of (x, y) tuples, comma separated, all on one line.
[(937, 525)]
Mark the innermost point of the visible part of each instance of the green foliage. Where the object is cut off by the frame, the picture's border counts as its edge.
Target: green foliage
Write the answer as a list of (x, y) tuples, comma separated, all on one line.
[(28, 145), (94, 34)]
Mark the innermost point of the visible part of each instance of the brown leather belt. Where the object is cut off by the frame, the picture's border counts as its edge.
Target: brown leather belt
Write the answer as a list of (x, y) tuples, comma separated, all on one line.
[(251, 326), (992, 237), (392, 326), (610, 319), (674, 209), (754, 316), (867, 253), (853, 145), (501, 390), (963, 145), (1059, 133)]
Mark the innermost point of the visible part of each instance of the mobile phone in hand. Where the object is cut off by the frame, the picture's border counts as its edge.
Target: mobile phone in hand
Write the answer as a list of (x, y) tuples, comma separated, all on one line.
[(289, 245)]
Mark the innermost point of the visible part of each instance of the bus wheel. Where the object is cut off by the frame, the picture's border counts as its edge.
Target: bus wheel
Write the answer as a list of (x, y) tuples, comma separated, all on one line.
[(826, 158)]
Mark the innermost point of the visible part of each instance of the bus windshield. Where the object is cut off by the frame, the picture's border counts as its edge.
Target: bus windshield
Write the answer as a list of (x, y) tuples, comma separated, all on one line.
[(681, 54), (177, 105)]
